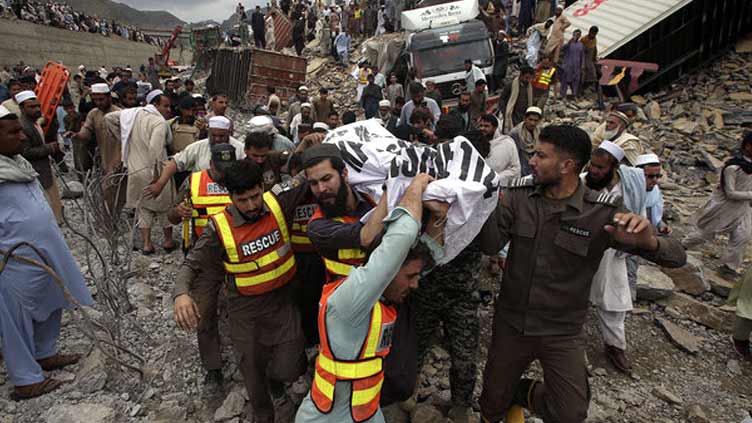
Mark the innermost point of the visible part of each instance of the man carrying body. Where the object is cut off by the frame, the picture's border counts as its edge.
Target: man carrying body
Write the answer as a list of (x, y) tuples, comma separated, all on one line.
[(31, 302), (614, 129), (258, 148), (251, 240), (525, 136), (357, 315), (197, 156), (37, 152), (610, 292), (196, 306), (558, 230), (516, 97), (728, 210)]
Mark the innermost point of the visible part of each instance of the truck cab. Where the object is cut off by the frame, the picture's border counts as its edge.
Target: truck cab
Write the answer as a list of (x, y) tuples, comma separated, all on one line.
[(438, 54)]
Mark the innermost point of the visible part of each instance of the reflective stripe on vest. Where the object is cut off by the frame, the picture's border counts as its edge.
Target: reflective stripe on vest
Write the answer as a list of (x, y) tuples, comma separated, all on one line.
[(301, 243), (544, 79), (365, 374), (205, 203), (346, 257), (257, 272)]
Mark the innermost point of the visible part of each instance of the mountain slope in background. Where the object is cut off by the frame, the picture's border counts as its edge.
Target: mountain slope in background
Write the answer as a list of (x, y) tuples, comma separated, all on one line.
[(149, 19)]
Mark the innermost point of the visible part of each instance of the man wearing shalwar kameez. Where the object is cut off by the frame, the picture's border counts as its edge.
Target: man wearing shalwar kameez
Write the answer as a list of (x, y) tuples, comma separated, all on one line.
[(573, 63), (728, 210), (610, 292), (31, 302)]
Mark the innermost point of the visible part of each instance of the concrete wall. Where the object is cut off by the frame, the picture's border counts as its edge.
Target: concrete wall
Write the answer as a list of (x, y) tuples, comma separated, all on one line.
[(38, 44)]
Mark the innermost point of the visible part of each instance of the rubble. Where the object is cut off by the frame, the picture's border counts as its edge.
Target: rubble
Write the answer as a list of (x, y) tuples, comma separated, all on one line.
[(653, 284), (699, 312), (81, 413), (718, 284), (232, 407), (695, 414), (690, 277), (92, 374), (681, 337), (666, 395)]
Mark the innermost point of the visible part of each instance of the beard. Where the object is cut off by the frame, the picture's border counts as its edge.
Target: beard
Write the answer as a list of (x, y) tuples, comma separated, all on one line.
[(463, 108), (611, 135), (339, 207), (599, 184), (385, 116)]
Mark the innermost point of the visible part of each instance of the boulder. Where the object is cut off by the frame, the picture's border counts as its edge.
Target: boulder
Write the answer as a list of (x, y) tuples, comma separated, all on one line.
[(718, 284), (663, 393), (92, 375), (426, 413), (653, 284), (700, 312), (80, 413), (653, 110), (689, 278), (231, 407), (679, 336), (695, 414), (170, 411)]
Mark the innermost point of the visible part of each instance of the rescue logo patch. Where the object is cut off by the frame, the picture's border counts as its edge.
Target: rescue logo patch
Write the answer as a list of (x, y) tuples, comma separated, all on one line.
[(215, 188), (585, 233), (385, 340), (261, 243), (304, 213)]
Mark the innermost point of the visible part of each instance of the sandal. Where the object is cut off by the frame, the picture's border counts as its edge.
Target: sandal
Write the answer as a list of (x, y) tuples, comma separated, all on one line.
[(147, 252), (58, 361), (35, 390)]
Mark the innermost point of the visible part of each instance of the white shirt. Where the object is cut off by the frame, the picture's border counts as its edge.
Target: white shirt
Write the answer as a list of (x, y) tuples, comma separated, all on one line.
[(196, 157), (504, 159)]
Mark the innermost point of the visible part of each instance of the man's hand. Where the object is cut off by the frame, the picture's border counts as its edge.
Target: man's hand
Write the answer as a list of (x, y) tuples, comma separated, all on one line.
[(438, 210), (69, 134), (186, 312), (183, 211), (200, 123), (153, 190), (421, 181), (633, 230)]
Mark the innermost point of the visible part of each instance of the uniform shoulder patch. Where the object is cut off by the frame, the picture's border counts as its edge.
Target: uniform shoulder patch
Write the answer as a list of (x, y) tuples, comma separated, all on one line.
[(612, 200), (524, 182), (281, 187)]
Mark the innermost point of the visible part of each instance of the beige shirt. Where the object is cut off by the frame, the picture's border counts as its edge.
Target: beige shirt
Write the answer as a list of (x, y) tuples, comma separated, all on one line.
[(109, 149), (196, 157)]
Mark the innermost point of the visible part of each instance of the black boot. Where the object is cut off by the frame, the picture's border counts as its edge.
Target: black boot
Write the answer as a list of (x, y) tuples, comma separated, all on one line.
[(523, 395)]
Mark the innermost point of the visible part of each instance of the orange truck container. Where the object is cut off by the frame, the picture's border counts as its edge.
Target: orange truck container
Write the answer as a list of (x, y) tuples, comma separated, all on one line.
[(50, 90)]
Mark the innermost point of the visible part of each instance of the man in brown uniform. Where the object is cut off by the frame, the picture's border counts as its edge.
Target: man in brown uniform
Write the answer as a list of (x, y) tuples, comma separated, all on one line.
[(207, 195), (251, 240), (258, 149), (558, 230)]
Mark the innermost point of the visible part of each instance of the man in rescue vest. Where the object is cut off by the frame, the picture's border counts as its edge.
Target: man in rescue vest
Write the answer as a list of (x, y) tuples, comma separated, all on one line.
[(357, 315), (206, 196), (545, 77), (251, 240)]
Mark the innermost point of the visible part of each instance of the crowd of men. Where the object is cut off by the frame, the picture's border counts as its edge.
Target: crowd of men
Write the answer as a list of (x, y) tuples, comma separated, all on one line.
[(61, 15), (318, 274)]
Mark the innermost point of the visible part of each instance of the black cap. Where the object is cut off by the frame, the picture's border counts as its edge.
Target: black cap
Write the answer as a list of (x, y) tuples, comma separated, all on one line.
[(318, 152), (186, 103), (222, 155)]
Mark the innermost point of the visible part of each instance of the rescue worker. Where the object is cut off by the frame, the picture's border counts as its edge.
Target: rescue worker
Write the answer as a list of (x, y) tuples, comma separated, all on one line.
[(357, 315), (258, 148), (610, 293), (206, 196), (558, 230), (545, 78), (251, 239)]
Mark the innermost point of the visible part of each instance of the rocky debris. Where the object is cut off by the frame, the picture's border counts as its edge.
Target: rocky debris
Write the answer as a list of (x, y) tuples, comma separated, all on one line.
[(690, 277), (653, 284), (232, 407), (92, 375), (72, 190), (681, 337), (718, 284), (700, 312), (695, 414), (80, 413), (170, 411), (734, 367), (427, 413), (666, 395)]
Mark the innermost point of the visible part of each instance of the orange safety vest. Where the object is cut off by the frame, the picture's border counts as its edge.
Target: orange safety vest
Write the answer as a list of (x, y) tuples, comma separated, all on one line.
[(258, 255), (207, 198), (366, 373), (543, 79), (346, 257), (301, 243)]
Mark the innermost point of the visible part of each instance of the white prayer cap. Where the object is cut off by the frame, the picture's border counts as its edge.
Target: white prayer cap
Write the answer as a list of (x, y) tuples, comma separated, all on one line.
[(320, 125), (385, 103), (302, 88), (533, 109), (4, 112), (26, 68), (25, 95), (100, 88), (262, 123), (128, 70), (647, 159), (152, 95), (613, 149), (308, 105), (81, 67), (197, 95), (219, 122)]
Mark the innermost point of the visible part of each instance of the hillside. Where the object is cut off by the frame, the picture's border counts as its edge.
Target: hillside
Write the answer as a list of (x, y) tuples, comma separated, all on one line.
[(151, 19)]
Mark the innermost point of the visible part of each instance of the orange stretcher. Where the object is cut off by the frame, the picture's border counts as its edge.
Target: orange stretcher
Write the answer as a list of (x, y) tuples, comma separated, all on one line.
[(50, 91)]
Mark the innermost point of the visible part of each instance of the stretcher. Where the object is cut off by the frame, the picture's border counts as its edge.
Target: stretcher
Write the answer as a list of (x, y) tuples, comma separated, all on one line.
[(50, 90)]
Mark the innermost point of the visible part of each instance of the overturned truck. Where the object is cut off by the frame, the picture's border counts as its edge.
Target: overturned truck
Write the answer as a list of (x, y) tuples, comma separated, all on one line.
[(243, 74)]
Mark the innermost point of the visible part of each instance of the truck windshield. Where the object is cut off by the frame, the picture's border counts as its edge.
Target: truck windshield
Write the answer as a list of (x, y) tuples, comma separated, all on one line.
[(451, 58)]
